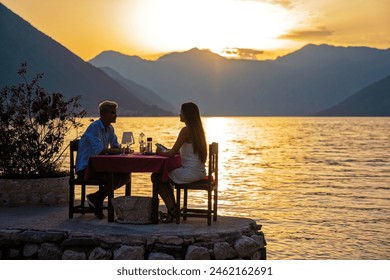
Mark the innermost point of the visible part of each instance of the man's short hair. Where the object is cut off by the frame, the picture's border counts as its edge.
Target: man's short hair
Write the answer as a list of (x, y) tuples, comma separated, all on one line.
[(106, 106)]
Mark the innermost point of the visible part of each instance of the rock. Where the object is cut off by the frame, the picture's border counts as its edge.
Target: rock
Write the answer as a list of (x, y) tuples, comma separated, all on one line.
[(171, 240), (255, 226), (160, 256), (80, 241), (8, 236), (73, 255), (34, 236), (259, 240), (197, 253), (49, 251), (34, 192), (175, 250), (30, 250), (188, 240), (126, 252), (212, 237), (150, 240), (13, 253), (246, 247), (112, 240), (223, 251), (259, 255), (99, 254)]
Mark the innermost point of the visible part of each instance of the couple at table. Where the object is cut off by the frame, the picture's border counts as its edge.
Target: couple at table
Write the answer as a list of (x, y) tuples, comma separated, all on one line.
[(100, 138)]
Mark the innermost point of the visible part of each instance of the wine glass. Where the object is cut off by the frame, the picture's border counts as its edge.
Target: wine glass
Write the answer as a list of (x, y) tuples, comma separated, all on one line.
[(128, 139)]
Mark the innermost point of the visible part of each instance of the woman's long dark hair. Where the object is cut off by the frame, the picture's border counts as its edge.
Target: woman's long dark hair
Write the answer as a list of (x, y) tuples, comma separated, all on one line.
[(194, 124)]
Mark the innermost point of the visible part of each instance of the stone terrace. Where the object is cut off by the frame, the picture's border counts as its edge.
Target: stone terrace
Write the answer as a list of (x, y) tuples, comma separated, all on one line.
[(47, 233)]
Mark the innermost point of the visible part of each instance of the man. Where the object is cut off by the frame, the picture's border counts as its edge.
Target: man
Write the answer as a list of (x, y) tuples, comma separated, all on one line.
[(100, 138)]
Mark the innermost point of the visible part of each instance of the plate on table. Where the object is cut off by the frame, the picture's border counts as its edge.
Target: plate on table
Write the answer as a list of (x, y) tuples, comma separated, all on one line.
[(149, 154)]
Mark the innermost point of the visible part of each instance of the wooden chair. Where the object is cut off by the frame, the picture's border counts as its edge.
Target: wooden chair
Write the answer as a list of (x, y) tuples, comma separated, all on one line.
[(73, 181), (209, 184)]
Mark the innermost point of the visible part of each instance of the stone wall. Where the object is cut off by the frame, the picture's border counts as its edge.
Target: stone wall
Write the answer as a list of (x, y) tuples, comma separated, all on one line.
[(34, 192), (247, 243)]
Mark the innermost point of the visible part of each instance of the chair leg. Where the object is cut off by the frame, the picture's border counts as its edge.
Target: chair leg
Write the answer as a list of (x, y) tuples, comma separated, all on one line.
[(83, 194), (185, 204), (128, 187), (178, 206), (154, 204), (215, 204), (209, 207), (71, 200), (110, 210)]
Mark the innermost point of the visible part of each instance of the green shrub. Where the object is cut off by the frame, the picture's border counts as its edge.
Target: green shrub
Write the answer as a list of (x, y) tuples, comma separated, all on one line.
[(33, 126)]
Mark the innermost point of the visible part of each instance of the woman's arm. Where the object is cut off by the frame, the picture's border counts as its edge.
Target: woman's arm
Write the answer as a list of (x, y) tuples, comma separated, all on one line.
[(181, 138)]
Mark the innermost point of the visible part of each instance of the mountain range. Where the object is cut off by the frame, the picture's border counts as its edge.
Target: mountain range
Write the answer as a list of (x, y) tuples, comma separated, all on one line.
[(63, 71), (310, 80), (373, 100), (315, 80)]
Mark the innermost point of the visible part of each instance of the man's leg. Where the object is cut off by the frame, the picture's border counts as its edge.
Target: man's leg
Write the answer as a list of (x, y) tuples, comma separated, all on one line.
[(120, 179), (96, 199)]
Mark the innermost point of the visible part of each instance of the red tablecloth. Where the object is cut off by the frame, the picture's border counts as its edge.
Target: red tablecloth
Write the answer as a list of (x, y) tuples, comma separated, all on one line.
[(133, 163)]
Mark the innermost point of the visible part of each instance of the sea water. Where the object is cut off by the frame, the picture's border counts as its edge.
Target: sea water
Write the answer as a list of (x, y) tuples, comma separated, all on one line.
[(320, 187)]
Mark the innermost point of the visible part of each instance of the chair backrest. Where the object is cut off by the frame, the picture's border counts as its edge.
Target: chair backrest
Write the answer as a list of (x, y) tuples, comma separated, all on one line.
[(213, 163), (73, 147)]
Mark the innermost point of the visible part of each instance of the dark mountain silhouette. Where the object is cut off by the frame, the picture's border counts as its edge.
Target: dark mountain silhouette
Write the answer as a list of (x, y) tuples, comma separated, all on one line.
[(63, 71), (373, 100), (145, 95), (309, 80)]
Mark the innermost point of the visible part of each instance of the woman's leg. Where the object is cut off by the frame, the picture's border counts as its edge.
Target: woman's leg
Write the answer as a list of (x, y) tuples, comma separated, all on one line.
[(165, 190)]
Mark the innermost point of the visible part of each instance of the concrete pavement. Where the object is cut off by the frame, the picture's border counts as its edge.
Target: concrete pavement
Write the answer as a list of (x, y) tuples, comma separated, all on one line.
[(56, 218)]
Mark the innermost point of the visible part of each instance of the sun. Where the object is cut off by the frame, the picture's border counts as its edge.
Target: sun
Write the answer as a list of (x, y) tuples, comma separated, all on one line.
[(172, 25)]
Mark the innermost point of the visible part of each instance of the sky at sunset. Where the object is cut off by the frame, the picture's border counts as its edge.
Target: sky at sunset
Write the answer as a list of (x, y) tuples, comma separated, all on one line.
[(257, 29)]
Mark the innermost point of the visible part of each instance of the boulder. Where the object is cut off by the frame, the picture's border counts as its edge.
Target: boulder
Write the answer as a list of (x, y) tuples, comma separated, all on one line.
[(197, 253), (99, 254), (160, 256), (30, 250), (126, 252), (246, 247), (73, 255), (49, 251), (223, 251)]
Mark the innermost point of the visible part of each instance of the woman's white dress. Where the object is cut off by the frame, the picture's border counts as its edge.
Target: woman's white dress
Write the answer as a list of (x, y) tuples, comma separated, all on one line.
[(192, 168)]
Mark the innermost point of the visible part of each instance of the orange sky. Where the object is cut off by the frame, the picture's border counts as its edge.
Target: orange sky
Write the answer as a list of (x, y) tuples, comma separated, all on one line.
[(258, 29)]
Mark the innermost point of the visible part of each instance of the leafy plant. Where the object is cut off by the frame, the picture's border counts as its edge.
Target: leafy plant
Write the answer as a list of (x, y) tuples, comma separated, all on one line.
[(33, 126)]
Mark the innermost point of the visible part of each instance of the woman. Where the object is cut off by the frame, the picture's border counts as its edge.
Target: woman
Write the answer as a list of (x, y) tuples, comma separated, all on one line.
[(191, 143)]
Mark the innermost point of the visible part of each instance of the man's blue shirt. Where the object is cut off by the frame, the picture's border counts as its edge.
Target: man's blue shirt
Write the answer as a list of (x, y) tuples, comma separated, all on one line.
[(94, 140)]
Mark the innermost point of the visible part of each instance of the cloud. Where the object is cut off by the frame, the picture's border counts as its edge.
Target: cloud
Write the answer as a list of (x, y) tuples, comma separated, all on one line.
[(283, 3), (242, 53), (298, 35)]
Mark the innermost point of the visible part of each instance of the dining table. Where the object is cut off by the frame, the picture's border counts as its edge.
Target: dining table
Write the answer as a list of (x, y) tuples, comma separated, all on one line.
[(130, 163)]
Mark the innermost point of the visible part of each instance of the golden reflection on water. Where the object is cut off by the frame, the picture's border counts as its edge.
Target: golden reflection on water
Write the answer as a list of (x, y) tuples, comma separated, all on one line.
[(319, 186)]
